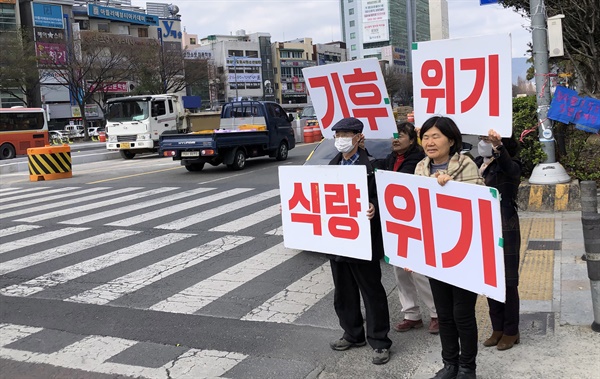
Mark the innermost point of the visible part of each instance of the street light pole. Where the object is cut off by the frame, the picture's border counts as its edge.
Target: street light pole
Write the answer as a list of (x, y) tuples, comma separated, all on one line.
[(236, 84), (549, 171)]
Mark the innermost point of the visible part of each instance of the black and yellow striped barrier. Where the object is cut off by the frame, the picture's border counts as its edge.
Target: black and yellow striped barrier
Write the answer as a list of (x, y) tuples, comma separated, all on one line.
[(49, 163), (549, 197)]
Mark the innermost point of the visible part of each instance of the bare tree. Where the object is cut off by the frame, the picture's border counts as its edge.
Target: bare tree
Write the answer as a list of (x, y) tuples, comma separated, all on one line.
[(398, 83), (94, 61), (581, 35), (19, 75)]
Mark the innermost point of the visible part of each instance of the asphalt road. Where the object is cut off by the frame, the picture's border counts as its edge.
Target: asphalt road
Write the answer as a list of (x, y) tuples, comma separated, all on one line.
[(139, 268)]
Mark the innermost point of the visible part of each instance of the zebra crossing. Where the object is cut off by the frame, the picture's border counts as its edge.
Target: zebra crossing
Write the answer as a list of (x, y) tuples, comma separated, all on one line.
[(174, 250)]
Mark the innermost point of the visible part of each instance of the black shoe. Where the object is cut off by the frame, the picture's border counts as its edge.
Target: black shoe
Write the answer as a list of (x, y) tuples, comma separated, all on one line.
[(466, 373), (381, 356), (342, 344), (448, 372)]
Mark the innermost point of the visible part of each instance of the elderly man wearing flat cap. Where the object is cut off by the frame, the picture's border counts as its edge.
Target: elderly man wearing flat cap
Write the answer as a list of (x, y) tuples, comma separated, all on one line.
[(353, 277)]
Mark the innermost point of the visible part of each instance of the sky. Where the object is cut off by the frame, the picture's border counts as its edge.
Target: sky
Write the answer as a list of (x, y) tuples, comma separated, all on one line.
[(320, 19)]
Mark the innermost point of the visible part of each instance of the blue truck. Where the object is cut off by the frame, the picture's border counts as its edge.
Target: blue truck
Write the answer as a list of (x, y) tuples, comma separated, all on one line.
[(247, 129)]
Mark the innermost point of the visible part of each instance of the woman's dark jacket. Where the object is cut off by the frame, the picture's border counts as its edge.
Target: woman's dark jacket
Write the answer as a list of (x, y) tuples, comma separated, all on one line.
[(376, 238), (504, 174), (411, 159)]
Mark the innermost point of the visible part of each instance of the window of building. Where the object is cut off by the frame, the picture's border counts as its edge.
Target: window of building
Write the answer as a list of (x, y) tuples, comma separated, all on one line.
[(84, 24), (353, 47), (235, 53), (7, 101), (286, 72), (352, 23), (351, 11), (252, 85), (252, 53), (353, 35), (104, 28), (192, 41), (350, 1), (8, 17), (123, 29), (143, 32)]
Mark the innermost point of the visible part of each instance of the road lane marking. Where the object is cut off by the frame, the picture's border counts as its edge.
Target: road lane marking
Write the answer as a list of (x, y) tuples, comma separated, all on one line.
[(39, 238), (194, 298), (197, 218), (296, 299), (96, 204), (177, 208), (69, 273), (63, 250), (134, 175), (247, 221), (17, 229), (63, 192), (143, 277), (92, 354)]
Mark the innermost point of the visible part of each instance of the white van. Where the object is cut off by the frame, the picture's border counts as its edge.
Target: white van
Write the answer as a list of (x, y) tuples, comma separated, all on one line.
[(75, 131)]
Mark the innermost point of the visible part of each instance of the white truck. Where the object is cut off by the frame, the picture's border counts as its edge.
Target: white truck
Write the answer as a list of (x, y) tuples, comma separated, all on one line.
[(134, 123)]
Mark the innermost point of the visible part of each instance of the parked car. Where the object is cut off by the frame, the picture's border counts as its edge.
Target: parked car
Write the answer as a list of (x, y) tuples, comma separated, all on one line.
[(58, 136), (95, 131), (75, 131)]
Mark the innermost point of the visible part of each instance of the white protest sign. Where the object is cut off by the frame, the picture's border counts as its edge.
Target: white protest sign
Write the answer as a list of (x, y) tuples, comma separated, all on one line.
[(324, 209), (452, 233), (351, 89), (466, 79)]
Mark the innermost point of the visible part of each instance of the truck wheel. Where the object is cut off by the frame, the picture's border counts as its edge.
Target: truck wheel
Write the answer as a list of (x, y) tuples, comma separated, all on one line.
[(239, 161), (282, 151), (126, 154), (7, 151), (192, 167)]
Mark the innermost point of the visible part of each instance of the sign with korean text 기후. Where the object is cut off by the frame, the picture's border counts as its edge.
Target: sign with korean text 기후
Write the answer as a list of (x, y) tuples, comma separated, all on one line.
[(466, 79), (452, 233), (351, 89), (324, 209)]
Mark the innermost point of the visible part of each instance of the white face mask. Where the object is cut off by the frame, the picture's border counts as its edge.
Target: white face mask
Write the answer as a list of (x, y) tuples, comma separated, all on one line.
[(344, 144), (484, 149)]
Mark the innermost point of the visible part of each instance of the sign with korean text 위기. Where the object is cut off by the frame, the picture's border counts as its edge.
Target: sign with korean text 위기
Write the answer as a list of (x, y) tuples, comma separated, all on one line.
[(351, 89), (452, 233), (324, 209), (466, 79)]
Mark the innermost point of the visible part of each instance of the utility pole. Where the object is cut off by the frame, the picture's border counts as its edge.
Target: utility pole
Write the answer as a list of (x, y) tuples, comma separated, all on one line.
[(549, 171)]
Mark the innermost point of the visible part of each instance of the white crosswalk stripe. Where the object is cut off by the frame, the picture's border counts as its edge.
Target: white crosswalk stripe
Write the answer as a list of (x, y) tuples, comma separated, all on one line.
[(157, 271), (40, 238), (75, 271), (216, 211), (64, 250), (61, 196), (296, 299), (72, 198), (247, 221), (93, 354), (196, 297), (68, 194), (177, 208), (95, 205), (6, 192), (146, 204), (17, 229)]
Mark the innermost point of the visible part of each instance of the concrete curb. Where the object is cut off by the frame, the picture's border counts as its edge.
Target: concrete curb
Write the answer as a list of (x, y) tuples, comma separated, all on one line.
[(550, 197), (23, 166)]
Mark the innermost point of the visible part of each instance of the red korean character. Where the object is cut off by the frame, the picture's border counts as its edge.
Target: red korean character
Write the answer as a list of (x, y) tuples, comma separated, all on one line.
[(487, 243), (364, 92), (336, 202), (313, 205), (323, 81), (478, 65), (432, 94)]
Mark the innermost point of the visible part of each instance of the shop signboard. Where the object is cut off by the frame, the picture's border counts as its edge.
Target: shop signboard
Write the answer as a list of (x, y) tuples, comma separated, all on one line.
[(117, 14), (47, 15)]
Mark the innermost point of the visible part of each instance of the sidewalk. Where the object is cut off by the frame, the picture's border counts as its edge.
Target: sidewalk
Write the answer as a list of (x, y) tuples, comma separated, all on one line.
[(556, 317)]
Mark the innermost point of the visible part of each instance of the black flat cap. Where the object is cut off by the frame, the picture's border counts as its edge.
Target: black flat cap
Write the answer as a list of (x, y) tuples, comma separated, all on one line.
[(349, 124)]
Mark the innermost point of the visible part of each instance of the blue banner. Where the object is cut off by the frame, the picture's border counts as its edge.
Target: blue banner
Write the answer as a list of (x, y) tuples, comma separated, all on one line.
[(567, 107), (47, 15), (122, 15), (486, 2)]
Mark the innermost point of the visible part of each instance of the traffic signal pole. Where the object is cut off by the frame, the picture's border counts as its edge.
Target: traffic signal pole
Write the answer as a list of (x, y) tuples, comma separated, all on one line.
[(549, 171)]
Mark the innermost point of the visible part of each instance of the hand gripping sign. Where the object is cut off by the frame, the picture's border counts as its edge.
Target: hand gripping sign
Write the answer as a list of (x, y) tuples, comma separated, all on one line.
[(351, 89), (451, 233), (324, 209), (467, 79)]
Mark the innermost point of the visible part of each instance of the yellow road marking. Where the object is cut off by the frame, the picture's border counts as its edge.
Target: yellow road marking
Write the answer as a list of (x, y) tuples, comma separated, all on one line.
[(131, 176), (561, 197)]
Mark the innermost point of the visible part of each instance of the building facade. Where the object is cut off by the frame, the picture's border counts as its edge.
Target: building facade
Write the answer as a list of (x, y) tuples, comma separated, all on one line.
[(385, 29), (289, 58)]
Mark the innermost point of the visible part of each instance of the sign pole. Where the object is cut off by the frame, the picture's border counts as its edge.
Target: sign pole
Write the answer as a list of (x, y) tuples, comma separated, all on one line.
[(549, 171)]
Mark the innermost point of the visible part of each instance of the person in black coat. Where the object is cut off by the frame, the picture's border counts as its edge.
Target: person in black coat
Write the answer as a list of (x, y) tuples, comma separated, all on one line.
[(353, 277), (500, 169)]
